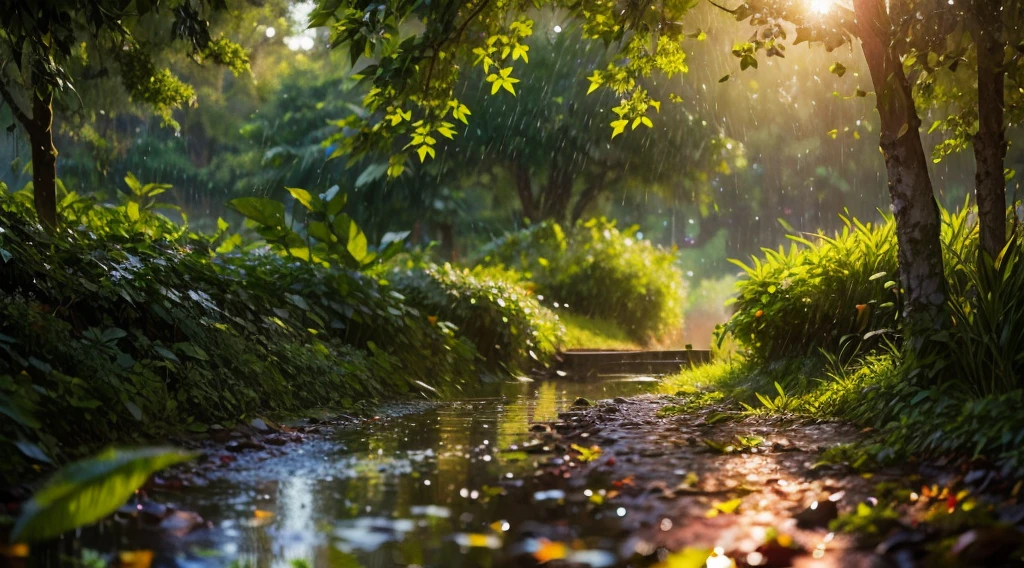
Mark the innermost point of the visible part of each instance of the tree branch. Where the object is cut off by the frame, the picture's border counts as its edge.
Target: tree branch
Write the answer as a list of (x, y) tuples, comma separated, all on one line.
[(458, 33), (9, 99)]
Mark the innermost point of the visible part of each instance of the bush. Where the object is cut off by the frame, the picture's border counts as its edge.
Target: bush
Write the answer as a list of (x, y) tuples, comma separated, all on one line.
[(125, 324), (490, 306), (596, 270), (962, 398), (826, 291)]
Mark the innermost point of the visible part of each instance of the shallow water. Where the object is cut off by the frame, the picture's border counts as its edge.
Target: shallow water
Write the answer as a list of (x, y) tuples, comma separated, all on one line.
[(414, 489)]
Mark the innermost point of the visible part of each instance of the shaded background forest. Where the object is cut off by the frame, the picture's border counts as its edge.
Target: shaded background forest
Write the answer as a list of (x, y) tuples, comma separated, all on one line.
[(746, 158)]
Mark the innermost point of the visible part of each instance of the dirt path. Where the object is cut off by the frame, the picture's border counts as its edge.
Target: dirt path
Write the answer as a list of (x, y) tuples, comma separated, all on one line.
[(752, 489)]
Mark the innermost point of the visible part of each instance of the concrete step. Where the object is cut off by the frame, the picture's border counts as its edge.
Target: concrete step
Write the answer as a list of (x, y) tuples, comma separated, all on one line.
[(583, 363)]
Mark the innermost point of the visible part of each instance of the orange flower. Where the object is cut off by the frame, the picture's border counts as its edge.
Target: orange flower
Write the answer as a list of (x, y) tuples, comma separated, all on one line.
[(759, 313), (432, 320)]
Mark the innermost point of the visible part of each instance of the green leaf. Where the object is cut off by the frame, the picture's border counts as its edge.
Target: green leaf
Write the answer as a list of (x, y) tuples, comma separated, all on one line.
[(192, 351), (302, 196), (335, 200), (264, 211), (356, 244), (88, 490), (319, 231), (340, 227), (15, 412), (166, 353), (134, 409), (33, 451), (133, 183), (133, 210)]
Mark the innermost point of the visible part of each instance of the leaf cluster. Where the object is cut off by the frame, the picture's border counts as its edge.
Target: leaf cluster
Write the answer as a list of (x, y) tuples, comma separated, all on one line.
[(594, 269)]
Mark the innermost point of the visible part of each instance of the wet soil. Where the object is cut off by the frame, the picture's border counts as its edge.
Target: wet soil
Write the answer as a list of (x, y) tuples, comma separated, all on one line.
[(535, 476)]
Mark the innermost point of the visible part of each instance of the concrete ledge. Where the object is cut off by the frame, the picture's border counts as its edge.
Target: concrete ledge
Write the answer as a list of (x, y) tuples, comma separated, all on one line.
[(584, 363)]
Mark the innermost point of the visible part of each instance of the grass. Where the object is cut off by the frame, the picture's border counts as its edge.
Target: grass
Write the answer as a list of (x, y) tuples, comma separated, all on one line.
[(582, 332)]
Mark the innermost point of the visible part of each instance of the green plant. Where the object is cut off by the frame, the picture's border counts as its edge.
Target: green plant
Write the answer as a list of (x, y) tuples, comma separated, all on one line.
[(491, 307), (871, 523), (84, 492), (327, 234), (793, 303), (827, 294), (129, 326), (986, 343), (596, 270), (780, 404)]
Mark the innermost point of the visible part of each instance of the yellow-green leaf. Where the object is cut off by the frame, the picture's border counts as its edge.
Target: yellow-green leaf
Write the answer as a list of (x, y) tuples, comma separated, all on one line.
[(618, 126), (88, 490), (302, 196)]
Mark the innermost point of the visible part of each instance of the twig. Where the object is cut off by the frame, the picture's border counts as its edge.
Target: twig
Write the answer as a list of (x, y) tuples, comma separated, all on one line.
[(458, 33)]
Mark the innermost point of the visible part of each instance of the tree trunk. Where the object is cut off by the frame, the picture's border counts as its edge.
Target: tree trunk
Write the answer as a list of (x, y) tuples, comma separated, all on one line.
[(918, 222), (595, 185), (709, 227), (524, 187), (557, 194), (990, 141), (447, 233), (44, 160)]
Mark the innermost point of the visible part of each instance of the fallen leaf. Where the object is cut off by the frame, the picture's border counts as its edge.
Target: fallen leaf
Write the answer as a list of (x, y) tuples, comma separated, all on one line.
[(17, 550), (549, 551), (135, 558), (723, 508)]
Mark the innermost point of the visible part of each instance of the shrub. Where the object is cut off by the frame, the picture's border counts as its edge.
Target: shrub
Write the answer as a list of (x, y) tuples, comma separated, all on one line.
[(504, 321), (125, 324), (960, 399), (597, 270), (825, 290)]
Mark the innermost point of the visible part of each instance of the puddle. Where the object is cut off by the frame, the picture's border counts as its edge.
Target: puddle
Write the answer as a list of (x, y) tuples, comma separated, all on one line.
[(417, 489)]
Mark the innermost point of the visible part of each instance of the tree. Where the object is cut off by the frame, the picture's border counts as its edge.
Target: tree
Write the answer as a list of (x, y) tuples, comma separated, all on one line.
[(883, 30), (970, 71), (418, 69), (551, 142), (415, 52), (47, 45)]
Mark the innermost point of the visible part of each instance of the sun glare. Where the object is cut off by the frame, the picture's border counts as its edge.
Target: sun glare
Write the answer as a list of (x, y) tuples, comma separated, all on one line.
[(821, 6)]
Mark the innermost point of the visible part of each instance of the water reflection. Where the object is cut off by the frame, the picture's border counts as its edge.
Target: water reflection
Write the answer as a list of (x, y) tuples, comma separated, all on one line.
[(419, 489)]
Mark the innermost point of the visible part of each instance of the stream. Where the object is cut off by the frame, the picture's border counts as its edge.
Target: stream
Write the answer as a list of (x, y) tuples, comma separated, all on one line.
[(416, 487)]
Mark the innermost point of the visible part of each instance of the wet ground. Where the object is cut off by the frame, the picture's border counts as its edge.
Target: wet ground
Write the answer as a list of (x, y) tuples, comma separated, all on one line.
[(417, 486), (531, 476)]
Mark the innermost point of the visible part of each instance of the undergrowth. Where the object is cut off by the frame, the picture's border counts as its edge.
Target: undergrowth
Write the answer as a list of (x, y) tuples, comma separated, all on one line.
[(126, 325), (819, 331)]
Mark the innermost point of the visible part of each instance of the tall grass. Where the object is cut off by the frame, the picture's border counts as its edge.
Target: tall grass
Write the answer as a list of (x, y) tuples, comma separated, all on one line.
[(821, 290), (839, 294), (986, 343)]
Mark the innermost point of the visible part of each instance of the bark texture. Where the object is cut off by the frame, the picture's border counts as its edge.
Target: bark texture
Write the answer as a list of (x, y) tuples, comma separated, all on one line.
[(990, 140), (44, 160), (39, 128), (916, 212)]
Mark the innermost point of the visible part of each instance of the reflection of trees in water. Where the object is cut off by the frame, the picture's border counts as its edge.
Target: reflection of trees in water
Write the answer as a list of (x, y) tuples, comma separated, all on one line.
[(528, 403)]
